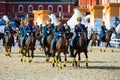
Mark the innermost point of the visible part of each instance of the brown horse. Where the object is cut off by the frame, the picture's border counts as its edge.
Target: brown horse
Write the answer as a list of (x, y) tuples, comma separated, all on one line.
[(28, 48), (8, 44), (81, 46), (61, 46), (107, 39), (47, 45)]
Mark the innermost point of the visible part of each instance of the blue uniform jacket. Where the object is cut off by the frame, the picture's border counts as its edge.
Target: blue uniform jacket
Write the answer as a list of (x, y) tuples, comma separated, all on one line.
[(34, 28), (59, 30), (49, 29), (29, 29), (7, 29), (78, 29)]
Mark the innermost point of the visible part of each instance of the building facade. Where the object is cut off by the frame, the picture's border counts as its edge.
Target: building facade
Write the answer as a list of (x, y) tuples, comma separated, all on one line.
[(17, 8)]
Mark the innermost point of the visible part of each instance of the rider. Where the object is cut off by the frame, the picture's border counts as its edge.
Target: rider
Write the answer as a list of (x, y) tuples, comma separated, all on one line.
[(58, 31), (67, 28), (103, 31), (34, 29), (77, 31), (6, 30), (20, 28), (27, 29), (48, 29)]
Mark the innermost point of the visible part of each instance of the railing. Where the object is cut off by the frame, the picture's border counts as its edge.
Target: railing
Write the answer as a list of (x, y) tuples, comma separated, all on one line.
[(115, 42)]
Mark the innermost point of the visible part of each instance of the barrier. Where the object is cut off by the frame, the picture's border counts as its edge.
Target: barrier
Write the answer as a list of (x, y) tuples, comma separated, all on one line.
[(115, 42)]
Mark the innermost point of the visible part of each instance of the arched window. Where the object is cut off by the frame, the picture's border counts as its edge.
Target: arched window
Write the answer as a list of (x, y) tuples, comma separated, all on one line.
[(50, 8), (60, 8), (20, 8), (30, 8), (40, 7)]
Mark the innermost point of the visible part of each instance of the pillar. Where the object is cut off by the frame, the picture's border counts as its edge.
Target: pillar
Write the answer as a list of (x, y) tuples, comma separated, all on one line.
[(42, 14)]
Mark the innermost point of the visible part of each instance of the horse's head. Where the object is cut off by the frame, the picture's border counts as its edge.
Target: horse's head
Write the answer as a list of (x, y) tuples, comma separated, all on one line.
[(112, 30)]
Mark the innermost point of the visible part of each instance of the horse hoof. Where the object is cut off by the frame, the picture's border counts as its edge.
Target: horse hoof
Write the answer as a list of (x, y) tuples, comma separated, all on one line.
[(100, 50), (6, 55), (61, 67), (64, 65), (73, 64), (53, 65), (90, 50), (47, 60), (104, 50), (24, 60), (21, 60), (29, 61), (79, 65), (112, 51)]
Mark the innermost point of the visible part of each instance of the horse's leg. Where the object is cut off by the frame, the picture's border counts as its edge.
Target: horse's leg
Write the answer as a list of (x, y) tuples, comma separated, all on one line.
[(59, 57), (92, 43), (106, 47), (47, 54), (29, 52), (110, 47), (65, 59), (53, 59), (79, 59), (57, 61), (99, 46), (74, 59), (24, 53), (86, 59)]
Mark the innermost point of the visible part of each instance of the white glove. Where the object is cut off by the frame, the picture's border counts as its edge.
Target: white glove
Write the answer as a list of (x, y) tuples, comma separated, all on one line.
[(60, 34), (48, 31), (27, 34), (78, 34)]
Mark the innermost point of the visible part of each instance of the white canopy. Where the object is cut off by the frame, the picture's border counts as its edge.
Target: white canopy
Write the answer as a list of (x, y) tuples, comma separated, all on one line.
[(53, 18), (73, 20)]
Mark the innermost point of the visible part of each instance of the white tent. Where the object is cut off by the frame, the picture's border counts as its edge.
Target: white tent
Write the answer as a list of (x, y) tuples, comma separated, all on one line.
[(53, 18), (73, 20)]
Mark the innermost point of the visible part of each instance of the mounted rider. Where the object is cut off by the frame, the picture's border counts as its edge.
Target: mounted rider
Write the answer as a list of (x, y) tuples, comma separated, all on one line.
[(27, 29), (103, 31), (7, 29), (58, 32), (78, 29), (20, 28), (48, 30)]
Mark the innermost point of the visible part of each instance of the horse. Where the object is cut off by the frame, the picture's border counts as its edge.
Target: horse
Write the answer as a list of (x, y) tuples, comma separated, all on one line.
[(80, 46), (61, 46), (46, 45), (8, 43), (28, 48), (107, 39)]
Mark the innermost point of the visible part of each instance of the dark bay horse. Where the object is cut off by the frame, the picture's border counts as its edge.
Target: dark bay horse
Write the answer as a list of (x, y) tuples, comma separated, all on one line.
[(107, 39), (46, 46), (8, 43), (61, 47), (28, 48), (81, 46)]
